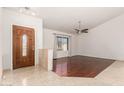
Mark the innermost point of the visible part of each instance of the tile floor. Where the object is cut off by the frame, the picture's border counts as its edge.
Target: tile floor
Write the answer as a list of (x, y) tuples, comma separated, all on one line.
[(36, 76)]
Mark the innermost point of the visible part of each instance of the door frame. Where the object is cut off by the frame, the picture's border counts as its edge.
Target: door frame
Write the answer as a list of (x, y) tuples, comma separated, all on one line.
[(12, 65)]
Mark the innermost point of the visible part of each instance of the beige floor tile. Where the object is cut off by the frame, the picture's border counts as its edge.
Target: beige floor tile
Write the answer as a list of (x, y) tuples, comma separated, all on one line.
[(37, 76)]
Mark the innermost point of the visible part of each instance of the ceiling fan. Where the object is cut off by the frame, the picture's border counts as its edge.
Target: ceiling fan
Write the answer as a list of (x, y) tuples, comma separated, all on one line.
[(79, 30)]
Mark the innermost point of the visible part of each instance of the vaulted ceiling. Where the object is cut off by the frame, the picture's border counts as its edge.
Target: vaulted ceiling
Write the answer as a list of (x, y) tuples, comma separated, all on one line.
[(66, 18)]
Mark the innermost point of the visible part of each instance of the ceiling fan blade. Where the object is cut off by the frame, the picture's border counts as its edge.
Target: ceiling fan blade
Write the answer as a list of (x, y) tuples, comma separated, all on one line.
[(77, 29), (84, 31)]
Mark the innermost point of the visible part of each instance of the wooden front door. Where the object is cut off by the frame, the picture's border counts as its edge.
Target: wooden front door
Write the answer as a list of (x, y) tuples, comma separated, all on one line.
[(23, 46)]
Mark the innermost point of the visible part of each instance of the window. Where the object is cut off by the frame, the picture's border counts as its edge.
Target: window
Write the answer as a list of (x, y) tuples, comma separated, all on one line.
[(62, 43), (24, 45)]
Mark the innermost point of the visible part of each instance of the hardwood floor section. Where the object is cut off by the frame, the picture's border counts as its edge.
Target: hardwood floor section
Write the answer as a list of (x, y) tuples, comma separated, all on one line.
[(80, 66)]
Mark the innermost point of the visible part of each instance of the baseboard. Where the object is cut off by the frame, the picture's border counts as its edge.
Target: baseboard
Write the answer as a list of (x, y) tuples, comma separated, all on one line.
[(98, 57), (65, 57)]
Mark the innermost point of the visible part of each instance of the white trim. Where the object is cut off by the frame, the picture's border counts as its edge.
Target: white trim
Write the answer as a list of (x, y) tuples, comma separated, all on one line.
[(11, 47), (61, 35)]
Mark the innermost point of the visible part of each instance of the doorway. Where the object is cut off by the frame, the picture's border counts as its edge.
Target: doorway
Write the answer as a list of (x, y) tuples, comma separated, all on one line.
[(23, 46)]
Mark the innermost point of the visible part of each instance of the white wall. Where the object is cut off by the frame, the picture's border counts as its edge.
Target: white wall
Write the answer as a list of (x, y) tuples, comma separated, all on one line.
[(0, 42), (49, 42), (74, 45), (12, 18), (105, 41)]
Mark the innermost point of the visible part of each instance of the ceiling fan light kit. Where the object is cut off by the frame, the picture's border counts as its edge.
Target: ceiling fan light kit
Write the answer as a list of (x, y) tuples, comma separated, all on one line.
[(79, 30)]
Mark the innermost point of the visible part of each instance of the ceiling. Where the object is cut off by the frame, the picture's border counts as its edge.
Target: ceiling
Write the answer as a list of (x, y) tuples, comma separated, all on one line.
[(66, 18)]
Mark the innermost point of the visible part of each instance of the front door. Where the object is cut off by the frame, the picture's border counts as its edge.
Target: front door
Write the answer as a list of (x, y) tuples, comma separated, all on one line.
[(23, 46)]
